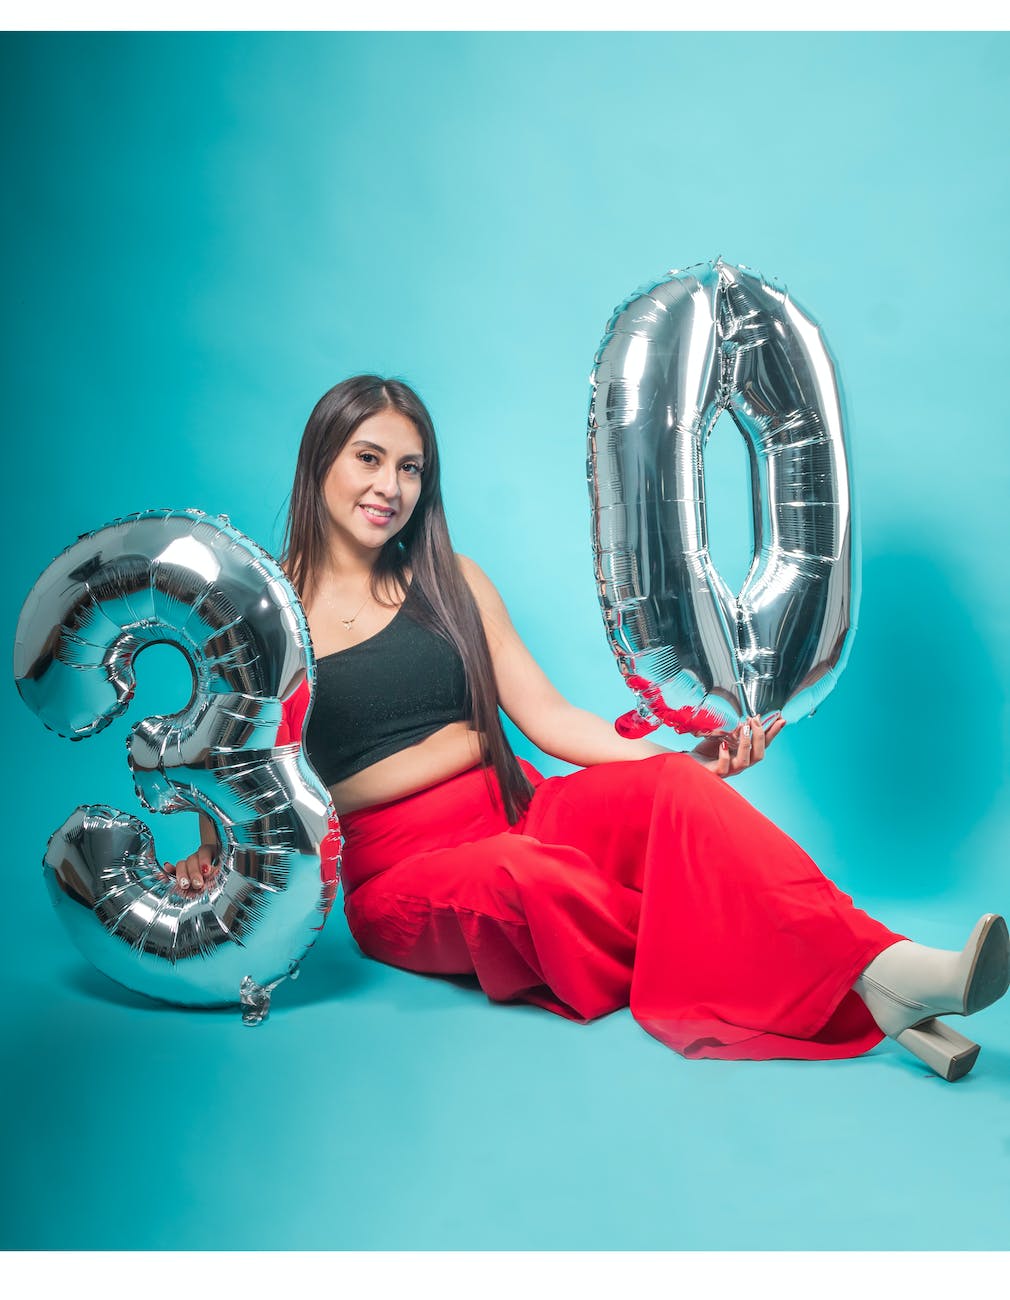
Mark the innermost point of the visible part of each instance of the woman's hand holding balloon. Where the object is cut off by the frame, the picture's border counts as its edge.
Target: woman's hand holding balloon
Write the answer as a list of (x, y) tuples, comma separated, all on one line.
[(742, 749), (195, 873)]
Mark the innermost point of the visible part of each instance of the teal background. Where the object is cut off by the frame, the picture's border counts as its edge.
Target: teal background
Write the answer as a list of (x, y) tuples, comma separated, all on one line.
[(201, 234)]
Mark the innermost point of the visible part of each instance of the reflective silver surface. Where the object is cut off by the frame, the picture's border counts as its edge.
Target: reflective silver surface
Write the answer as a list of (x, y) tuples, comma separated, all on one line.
[(182, 577), (677, 353)]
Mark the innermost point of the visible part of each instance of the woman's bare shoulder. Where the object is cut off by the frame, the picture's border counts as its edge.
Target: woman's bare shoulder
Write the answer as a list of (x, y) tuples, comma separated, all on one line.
[(484, 590), (493, 611), (473, 573)]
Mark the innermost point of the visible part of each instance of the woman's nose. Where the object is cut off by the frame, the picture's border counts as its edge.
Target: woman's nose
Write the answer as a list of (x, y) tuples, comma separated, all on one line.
[(387, 481)]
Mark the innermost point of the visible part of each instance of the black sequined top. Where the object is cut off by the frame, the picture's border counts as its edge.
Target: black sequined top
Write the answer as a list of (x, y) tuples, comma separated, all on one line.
[(383, 695)]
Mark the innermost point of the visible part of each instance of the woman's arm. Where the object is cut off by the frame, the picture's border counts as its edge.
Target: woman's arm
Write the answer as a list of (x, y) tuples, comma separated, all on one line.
[(528, 697), (557, 727)]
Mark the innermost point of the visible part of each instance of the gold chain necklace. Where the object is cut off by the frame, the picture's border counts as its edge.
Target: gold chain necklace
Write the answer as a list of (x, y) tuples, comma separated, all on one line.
[(349, 622)]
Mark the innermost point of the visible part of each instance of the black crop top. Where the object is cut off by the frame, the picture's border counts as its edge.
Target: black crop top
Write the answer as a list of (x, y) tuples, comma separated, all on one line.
[(383, 695)]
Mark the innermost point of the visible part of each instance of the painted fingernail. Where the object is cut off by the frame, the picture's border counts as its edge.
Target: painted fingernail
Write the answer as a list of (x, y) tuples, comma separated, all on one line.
[(205, 870), (746, 731), (724, 746)]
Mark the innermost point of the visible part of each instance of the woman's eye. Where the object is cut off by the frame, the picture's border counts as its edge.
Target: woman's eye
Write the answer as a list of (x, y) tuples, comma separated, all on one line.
[(412, 467), (369, 457)]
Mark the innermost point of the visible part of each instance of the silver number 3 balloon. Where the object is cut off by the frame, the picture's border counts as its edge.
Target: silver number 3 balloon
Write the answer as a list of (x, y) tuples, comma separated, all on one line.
[(196, 582), (712, 338)]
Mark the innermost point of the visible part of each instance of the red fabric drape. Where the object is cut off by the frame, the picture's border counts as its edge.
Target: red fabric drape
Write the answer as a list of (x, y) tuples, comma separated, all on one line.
[(649, 883)]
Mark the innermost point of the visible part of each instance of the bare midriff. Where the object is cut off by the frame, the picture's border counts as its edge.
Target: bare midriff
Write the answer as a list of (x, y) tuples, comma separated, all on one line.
[(454, 749)]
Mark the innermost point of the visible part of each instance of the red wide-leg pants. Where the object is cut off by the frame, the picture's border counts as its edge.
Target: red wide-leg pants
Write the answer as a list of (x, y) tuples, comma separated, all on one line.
[(649, 883)]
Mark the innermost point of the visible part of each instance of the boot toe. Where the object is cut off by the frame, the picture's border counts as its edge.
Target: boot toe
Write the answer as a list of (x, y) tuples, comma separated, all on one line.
[(990, 972)]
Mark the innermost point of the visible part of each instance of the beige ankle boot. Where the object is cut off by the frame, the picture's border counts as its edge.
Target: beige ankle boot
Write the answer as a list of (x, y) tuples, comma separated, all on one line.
[(908, 985)]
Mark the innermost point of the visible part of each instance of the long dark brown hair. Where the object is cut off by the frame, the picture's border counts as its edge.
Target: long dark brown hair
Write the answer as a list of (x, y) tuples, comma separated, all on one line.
[(440, 596)]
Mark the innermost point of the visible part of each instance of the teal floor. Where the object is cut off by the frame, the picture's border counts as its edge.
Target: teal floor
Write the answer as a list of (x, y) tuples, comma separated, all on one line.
[(379, 1110)]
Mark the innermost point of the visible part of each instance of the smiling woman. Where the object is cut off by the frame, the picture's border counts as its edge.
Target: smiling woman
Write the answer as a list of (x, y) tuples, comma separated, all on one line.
[(641, 880), (366, 530)]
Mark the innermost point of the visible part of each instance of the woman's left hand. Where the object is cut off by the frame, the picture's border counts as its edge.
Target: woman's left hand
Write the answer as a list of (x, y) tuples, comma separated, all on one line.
[(742, 749)]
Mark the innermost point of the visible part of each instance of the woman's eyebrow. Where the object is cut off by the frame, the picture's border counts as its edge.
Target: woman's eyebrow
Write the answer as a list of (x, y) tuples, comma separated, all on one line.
[(374, 446)]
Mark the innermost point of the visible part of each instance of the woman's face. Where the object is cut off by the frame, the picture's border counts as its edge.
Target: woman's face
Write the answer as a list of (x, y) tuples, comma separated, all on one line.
[(374, 483)]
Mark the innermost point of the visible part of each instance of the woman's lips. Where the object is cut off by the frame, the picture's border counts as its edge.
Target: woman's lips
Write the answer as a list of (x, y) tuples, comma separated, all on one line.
[(380, 516)]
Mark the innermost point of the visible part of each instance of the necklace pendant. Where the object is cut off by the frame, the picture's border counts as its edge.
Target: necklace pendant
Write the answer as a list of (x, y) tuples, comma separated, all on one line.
[(348, 623)]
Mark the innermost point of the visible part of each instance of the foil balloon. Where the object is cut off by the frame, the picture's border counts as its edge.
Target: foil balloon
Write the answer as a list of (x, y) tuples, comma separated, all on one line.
[(195, 582), (675, 355)]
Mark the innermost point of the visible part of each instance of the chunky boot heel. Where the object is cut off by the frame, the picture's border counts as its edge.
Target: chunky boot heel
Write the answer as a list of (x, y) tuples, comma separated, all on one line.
[(943, 1049)]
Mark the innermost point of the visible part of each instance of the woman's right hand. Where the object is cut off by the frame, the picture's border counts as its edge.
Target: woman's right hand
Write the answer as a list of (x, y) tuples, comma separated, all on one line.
[(195, 873)]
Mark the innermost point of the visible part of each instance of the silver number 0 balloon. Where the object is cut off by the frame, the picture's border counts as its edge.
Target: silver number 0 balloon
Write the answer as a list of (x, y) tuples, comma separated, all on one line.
[(712, 338), (197, 583)]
